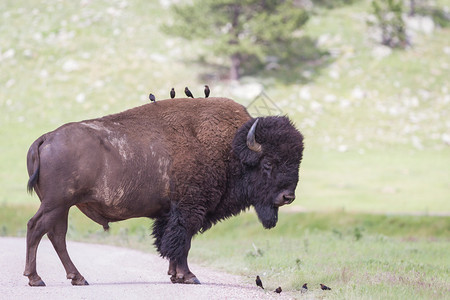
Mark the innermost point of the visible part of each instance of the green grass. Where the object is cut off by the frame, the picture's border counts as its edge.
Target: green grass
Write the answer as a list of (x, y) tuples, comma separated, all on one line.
[(395, 180), (354, 265), (15, 217), (358, 255)]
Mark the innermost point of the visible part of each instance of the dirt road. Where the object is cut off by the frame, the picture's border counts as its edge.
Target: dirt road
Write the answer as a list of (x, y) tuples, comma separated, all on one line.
[(113, 273)]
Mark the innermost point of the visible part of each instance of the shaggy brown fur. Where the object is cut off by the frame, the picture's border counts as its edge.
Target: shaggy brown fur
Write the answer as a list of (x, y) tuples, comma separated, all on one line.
[(182, 162)]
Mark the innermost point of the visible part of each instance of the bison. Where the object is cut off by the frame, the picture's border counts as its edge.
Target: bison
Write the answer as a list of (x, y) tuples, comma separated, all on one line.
[(186, 163)]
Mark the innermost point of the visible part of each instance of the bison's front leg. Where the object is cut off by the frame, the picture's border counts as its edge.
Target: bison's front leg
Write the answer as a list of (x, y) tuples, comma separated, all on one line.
[(184, 275), (159, 228), (179, 270), (172, 270), (175, 244)]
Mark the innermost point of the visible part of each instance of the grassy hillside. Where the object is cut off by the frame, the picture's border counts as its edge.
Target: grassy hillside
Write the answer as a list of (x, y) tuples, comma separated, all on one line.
[(376, 128)]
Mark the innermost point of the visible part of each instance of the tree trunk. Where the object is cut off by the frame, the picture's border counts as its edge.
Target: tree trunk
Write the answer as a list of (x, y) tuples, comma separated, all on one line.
[(412, 7), (235, 66), (235, 57)]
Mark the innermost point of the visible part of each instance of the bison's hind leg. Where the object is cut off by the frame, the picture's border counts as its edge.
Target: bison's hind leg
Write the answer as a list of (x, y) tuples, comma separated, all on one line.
[(57, 235), (53, 221), (34, 236)]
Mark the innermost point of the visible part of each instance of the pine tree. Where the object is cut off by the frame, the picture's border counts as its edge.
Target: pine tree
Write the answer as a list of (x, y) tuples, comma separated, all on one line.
[(389, 15), (239, 29)]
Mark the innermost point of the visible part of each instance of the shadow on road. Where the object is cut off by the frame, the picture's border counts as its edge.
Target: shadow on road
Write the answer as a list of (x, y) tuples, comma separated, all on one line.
[(225, 285)]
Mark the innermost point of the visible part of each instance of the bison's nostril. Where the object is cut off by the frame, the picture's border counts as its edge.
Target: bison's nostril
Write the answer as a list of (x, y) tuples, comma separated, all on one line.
[(288, 198)]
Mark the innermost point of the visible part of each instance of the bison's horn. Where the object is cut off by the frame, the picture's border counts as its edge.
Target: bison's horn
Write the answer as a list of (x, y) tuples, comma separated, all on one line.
[(251, 141)]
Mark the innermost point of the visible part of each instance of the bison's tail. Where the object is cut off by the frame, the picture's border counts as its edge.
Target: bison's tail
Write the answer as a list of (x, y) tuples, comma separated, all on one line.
[(33, 164)]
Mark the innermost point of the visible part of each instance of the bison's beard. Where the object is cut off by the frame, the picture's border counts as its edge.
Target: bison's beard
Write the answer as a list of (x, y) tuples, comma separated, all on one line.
[(268, 215)]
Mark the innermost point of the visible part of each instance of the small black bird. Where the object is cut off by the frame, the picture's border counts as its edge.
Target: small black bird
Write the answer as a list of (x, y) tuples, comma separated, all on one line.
[(188, 92), (304, 288), (152, 97), (172, 93), (278, 290), (324, 287), (259, 282), (207, 91)]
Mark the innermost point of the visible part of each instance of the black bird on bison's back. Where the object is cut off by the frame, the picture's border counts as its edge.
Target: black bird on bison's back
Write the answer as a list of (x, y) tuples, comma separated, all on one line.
[(172, 93), (207, 91), (278, 290), (259, 282), (152, 97), (324, 287), (188, 92)]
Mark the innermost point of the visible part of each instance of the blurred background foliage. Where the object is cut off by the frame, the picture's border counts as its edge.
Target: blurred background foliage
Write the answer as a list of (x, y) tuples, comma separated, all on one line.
[(240, 30), (375, 119)]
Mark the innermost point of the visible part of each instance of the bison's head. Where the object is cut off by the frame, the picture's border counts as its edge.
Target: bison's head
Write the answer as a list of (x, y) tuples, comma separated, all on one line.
[(270, 150)]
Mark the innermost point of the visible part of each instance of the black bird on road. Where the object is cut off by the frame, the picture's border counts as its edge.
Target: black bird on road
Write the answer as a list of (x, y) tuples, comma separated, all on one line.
[(304, 288), (152, 97), (188, 92), (172, 93), (324, 287), (278, 290), (207, 91), (259, 282)]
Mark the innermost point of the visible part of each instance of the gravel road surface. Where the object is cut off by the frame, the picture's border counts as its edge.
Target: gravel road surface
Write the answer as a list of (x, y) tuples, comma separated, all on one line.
[(113, 273)]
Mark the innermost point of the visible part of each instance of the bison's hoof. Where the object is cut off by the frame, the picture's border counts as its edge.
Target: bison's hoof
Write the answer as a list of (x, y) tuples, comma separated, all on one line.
[(36, 282), (192, 280), (181, 279), (80, 281)]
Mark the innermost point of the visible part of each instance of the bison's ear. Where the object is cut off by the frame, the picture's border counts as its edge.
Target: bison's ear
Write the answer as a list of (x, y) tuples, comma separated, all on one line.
[(245, 145)]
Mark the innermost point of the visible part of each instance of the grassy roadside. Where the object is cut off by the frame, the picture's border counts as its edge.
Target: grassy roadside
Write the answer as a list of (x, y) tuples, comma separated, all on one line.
[(358, 255), (14, 218), (355, 261)]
